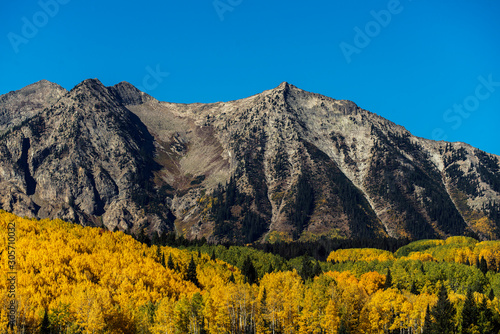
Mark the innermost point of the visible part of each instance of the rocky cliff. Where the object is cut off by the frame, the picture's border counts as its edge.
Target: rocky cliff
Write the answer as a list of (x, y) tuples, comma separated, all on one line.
[(280, 165)]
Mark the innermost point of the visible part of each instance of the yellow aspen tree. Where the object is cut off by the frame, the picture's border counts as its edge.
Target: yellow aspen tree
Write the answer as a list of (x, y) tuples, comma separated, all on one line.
[(331, 321), (284, 290), (371, 282), (217, 317), (88, 310), (164, 317)]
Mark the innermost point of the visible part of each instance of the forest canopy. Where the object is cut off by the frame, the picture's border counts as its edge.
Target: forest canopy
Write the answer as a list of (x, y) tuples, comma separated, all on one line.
[(74, 279)]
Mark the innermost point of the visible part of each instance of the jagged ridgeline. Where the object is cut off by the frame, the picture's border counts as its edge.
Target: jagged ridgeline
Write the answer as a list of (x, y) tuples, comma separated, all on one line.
[(281, 165)]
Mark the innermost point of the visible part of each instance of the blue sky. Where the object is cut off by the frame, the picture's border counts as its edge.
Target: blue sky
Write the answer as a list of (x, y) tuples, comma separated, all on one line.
[(431, 66)]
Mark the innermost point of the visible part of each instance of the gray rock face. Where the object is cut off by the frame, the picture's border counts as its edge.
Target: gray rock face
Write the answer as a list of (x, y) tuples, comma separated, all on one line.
[(85, 159), (282, 164), (22, 104)]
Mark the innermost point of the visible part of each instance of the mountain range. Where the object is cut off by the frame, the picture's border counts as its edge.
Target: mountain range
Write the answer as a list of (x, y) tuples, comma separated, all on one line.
[(284, 164)]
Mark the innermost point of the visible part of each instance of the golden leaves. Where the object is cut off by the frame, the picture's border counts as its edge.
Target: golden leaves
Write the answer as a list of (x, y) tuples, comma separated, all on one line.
[(360, 254)]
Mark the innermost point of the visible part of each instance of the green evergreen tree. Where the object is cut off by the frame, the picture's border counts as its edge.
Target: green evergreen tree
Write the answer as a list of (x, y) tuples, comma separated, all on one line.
[(163, 260), (307, 270), (427, 328), (491, 295), (483, 265), (470, 315), (317, 269), (486, 318), (45, 326), (212, 257), (170, 263), (263, 306), (248, 270), (142, 237), (231, 278), (191, 274), (155, 239), (443, 313), (413, 288), (388, 279), (158, 254)]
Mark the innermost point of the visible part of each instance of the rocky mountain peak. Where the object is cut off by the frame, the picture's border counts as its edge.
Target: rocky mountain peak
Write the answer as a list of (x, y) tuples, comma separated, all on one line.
[(284, 85), (85, 159), (89, 85), (282, 164), (285, 88), (91, 95), (19, 105), (128, 94), (42, 84)]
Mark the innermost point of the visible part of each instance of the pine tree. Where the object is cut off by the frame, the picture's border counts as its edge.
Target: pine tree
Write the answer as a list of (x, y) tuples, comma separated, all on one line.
[(388, 279), (427, 328), (469, 314), (155, 239), (163, 260), (317, 269), (413, 288), (191, 274), (307, 269), (443, 313), (249, 271), (45, 326), (491, 295), (158, 254), (485, 318), (483, 265), (143, 238), (263, 307), (231, 278), (170, 263), (212, 257)]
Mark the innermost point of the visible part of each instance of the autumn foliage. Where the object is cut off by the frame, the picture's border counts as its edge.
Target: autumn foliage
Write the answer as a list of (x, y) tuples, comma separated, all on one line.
[(74, 279)]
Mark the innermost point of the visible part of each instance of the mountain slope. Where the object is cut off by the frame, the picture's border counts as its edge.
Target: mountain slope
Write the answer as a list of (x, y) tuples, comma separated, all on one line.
[(282, 164), (19, 105), (86, 159)]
